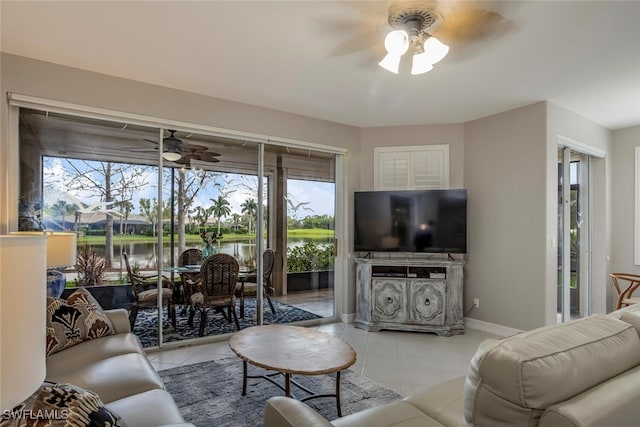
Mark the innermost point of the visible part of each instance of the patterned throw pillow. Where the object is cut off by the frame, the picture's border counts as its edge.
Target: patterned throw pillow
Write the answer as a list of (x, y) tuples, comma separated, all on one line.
[(78, 319), (61, 405)]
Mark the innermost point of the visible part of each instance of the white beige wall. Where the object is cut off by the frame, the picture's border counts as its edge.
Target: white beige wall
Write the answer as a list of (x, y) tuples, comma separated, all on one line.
[(624, 143), (505, 176), (451, 135)]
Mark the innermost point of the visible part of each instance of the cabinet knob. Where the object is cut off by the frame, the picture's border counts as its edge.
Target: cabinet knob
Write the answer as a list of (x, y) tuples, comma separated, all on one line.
[(427, 302), (389, 300)]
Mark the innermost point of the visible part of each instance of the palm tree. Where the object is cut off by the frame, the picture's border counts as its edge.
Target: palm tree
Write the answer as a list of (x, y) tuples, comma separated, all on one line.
[(250, 207), (236, 217), (221, 207)]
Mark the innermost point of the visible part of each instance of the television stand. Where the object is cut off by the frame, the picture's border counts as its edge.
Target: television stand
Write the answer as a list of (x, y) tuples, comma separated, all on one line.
[(409, 295)]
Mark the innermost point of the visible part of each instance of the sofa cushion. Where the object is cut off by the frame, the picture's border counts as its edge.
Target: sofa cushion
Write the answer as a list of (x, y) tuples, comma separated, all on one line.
[(62, 405), (632, 318), (148, 409), (612, 403), (112, 378), (75, 320), (397, 414), (512, 381), (88, 352), (443, 403)]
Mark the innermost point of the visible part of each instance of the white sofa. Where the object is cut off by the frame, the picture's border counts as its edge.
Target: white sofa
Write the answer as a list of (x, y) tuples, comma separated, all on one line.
[(581, 373), (116, 368)]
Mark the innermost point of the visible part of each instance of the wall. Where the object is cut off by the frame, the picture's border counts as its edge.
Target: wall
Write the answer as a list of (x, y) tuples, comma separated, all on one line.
[(452, 135), (504, 173), (566, 123), (623, 146), (41, 79)]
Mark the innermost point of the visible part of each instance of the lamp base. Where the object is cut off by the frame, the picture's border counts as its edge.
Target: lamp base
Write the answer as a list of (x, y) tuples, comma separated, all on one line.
[(56, 282)]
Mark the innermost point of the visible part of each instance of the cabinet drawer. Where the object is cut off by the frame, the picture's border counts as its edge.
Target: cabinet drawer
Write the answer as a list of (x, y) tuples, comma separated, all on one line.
[(427, 302)]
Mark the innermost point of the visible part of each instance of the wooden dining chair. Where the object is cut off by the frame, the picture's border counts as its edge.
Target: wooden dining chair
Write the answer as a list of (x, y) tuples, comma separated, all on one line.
[(145, 293), (626, 284), (219, 275), (190, 281), (248, 285)]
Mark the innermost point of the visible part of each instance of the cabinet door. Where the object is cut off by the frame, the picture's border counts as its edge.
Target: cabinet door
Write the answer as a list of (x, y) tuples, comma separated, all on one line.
[(427, 302), (389, 300)]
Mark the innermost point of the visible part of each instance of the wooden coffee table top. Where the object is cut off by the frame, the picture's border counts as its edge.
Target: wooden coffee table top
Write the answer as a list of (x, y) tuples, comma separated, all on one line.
[(292, 349)]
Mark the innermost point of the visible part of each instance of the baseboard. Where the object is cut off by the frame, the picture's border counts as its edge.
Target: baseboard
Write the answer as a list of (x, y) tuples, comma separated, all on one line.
[(492, 328), (348, 317)]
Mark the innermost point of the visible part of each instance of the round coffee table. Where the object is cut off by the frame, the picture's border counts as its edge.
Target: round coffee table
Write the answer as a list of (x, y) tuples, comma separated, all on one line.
[(292, 350)]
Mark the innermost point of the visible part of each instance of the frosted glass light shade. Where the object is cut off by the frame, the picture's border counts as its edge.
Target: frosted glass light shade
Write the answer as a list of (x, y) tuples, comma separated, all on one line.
[(171, 156), (23, 307), (397, 42), (435, 50), (391, 62), (421, 64)]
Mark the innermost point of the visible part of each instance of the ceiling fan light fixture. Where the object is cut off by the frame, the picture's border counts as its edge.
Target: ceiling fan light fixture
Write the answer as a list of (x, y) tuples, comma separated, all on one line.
[(397, 42), (421, 64), (435, 50), (171, 154), (391, 62)]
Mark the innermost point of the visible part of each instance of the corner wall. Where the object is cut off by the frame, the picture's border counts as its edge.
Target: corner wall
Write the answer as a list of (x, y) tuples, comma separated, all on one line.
[(505, 176)]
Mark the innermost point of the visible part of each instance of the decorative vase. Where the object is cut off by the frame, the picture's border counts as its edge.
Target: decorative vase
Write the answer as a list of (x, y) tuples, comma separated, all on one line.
[(56, 282)]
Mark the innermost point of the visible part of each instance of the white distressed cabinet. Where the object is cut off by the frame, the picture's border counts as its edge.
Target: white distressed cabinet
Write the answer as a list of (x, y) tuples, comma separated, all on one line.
[(409, 295)]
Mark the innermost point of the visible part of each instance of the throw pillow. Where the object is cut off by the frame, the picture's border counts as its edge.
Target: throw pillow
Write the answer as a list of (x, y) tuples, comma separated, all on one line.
[(61, 405), (79, 318)]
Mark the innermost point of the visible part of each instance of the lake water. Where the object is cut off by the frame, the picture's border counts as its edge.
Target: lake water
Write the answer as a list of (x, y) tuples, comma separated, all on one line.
[(144, 254)]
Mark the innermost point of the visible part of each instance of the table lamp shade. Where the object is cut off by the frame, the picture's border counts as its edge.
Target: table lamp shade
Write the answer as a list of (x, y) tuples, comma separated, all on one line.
[(23, 308), (61, 252), (61, 247)]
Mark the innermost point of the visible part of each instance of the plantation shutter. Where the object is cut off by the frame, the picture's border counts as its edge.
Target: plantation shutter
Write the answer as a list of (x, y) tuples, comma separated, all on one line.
[(411, 168)]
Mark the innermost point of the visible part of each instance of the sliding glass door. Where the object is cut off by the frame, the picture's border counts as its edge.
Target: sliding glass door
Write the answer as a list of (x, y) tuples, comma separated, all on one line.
[(573, 235), (121, 187)]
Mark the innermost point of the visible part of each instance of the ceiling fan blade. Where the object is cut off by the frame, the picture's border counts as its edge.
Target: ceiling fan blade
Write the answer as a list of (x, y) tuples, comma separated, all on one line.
[(207, 157), (150, 140), (461, 25), (192, 147)]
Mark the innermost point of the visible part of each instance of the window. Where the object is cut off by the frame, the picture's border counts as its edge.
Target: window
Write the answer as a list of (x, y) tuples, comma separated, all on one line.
[(411, 168)]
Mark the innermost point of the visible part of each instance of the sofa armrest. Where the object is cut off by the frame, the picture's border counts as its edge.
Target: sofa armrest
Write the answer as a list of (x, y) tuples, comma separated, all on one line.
[(120, 319), (286, 412)]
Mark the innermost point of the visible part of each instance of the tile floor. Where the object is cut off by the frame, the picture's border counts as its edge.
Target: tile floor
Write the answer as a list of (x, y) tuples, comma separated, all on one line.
[(403, 361)]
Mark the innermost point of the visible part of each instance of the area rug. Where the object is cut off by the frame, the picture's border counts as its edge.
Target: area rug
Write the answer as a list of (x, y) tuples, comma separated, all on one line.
[(146, 327), (210, 393)]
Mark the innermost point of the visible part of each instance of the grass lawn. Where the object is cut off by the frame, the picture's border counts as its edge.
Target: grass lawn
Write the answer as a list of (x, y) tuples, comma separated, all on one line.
[(313, 233)]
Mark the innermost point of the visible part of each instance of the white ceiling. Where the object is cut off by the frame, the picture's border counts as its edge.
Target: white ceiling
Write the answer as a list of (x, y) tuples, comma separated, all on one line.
[(297, 56)]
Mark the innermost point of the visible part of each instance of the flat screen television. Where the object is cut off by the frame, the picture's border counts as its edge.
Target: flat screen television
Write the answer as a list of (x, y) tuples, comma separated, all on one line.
[(431, 221)]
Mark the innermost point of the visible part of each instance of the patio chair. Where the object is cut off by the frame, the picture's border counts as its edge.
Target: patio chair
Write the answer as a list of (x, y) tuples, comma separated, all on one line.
[(249, 285), (190, 281), (625, 297), (219, 275), (145, 293)]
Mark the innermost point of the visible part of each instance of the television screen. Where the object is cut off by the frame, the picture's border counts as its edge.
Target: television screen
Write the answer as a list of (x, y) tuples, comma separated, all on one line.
[(411, 221)]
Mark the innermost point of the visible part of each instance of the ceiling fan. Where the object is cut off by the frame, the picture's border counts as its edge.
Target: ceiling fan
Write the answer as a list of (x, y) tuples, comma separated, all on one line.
[(426, 29), (175, 150)]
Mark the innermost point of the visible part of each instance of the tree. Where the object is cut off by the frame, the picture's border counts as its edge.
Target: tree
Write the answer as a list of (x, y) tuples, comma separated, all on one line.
[(149, 210), (108, 181), (250, 208), (201, 216), (221, 208), (236, 218), (62, 209)]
